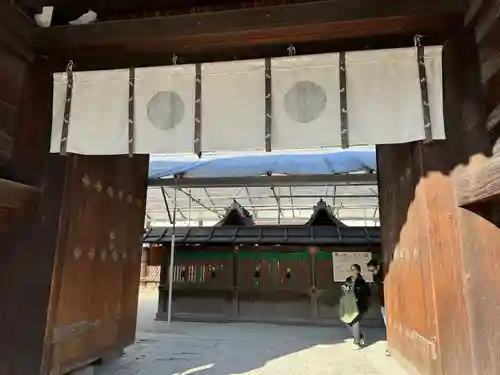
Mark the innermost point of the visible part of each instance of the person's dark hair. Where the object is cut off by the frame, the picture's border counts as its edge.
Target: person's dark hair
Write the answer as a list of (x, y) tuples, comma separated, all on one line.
[(373, 263), (357, 267)]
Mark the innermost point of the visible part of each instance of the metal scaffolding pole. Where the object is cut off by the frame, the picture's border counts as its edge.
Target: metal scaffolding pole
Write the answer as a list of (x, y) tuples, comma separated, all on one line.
[(363, 179), (164, 194), (287, 207), (175, 207), (191, 198), (278, 202), (171, 265), (291, 201), (249, 197), (189, 208)]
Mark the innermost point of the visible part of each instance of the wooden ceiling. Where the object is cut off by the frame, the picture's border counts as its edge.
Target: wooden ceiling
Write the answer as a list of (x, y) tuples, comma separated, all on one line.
[(248, 32), (66, 10)]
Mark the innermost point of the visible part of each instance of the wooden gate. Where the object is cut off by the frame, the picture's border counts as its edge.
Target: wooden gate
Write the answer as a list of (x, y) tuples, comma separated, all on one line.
[(442, 284), (95, 285)]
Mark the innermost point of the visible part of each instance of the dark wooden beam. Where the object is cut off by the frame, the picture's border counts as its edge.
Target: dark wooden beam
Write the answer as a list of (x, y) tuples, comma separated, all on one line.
[(115, 9), (118, 8), (30, 244), (322, 21), (489, 51), (490, 64), (16, 196), (6, 145), (13, 18), (16, 53), (16, 31), (494, 119), (492, 90), (481, 183), (488, 25), (477, 9), (104, 59)]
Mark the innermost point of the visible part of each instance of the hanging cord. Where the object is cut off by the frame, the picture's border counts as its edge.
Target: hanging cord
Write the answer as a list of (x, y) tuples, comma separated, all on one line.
[(291, 50)]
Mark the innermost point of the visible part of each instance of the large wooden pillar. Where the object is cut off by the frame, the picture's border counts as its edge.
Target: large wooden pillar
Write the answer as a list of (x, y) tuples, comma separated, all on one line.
[(441, 284), (27, 232), (70, 261)]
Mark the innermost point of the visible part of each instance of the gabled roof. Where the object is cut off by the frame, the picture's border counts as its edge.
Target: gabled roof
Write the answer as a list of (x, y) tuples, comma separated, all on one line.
[(236, 215), (323, 216), (267, 235)]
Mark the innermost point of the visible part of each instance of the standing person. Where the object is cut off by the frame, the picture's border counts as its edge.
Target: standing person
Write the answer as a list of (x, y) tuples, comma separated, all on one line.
[(376, 269), (354, 303), (378, 278)]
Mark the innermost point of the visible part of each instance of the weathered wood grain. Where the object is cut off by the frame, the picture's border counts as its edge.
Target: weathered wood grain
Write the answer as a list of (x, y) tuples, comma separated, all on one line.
[(12, 72), (15, 196), (487, 31), (293, 23), (479, 185), (423, 229), (16, 31), (96, 278), (16, 53), (31, 243), (494, 118), (152, 8)]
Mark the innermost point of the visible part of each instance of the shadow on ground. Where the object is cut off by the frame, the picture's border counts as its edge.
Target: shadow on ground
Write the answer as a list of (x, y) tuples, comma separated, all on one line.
[(245, 348)]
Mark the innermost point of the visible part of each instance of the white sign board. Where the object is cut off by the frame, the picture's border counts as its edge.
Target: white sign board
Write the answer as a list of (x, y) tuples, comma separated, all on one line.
[(342, 263)]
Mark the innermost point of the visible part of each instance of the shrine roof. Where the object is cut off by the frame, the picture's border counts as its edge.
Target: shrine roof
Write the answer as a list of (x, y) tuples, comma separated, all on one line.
[(267, 235)]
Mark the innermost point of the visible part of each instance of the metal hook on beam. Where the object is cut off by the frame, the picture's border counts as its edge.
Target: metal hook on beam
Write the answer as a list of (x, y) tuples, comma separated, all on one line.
[(69, 67), (417, 39)]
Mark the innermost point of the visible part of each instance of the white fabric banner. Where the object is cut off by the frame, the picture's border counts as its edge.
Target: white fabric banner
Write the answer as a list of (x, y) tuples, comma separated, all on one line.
[(384, 104), (384, 99), (164, 109), (98, 123), (233, 106), (306, 102)]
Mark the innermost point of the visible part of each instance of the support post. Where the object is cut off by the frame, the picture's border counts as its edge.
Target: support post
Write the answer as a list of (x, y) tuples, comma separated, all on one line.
[(144, 262), (171, 265), (28, 248)]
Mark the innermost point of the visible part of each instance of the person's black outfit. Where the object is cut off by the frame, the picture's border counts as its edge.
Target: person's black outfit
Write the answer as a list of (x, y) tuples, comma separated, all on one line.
[(362, 292), (378, 279)]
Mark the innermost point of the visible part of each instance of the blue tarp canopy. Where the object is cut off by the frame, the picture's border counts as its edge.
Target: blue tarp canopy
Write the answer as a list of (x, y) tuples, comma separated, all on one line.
[(293, 163)]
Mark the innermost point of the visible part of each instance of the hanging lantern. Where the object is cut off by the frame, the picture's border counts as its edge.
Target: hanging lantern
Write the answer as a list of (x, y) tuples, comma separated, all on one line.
[(313, 250)]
